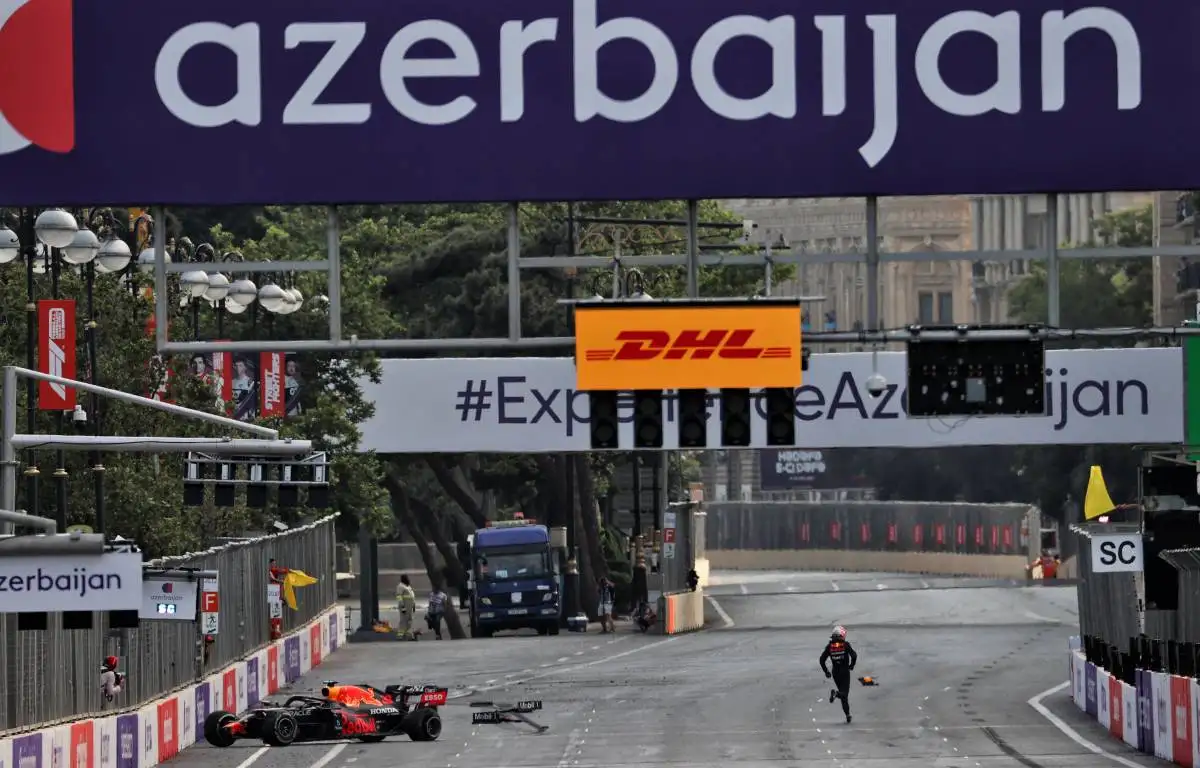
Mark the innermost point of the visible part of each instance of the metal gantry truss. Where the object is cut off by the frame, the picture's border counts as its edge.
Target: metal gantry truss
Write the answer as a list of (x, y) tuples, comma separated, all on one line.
[(692, 259)]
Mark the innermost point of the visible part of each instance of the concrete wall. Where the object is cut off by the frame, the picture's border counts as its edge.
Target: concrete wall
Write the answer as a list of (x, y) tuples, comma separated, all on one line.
[(941, 563), (681, 612)]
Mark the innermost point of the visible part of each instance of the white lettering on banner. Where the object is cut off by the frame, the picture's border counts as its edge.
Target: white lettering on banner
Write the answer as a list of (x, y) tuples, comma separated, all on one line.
[(586, 35), (799, 463), (273, 378), (530, 405), (108, 582), (56, 333)]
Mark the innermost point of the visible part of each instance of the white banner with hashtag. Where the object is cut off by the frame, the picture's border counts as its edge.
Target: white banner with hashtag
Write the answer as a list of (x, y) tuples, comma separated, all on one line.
[(529, 405)]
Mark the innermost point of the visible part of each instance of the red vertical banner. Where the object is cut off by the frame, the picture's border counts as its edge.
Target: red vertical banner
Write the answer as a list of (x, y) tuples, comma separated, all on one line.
[(835, 531), (1181, 708), (918, 535), (222, 372), (56, 353), (866, 533), (893, 534), (271, 369), (1008, 537), (979, 535), (960, 534), (804, 532), (939, 533), (995, 538)]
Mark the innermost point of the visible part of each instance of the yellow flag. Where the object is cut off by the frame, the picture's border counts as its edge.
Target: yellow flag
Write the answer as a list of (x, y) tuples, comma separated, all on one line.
[(292, 580), (1097, 502)]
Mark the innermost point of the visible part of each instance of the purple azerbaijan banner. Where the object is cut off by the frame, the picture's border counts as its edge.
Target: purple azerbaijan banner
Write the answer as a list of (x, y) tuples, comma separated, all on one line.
[(27, 751), (127, 741), (251, 682), (291, 663), (203, 695), (466, 100)]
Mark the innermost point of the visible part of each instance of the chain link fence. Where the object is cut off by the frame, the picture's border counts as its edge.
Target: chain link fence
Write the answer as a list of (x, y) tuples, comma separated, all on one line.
[(55, 675), (899, 526)]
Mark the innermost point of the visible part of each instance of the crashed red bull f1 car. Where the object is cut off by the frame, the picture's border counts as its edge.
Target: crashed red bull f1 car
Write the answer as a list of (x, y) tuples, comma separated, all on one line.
[(360, 712)]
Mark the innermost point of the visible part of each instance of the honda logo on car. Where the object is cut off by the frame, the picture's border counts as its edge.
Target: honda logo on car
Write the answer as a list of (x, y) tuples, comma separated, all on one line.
[(108, 582), (687, 347), (1115, 553), (173, 599)]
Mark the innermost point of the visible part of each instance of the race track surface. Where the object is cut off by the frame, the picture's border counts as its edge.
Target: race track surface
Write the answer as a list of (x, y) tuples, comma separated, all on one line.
[(957, 666)]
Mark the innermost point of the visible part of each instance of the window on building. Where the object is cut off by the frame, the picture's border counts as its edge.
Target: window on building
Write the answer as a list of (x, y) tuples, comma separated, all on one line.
[(945, 303), (925, 308)]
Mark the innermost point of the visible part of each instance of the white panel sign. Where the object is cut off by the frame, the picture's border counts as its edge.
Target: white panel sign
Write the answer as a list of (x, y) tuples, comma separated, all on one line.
[(529, 405), (1117, 552), (168, 599), (53, 583)]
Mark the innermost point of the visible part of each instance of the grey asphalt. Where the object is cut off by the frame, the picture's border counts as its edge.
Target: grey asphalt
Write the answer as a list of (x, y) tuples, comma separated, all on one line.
[(956, 666)]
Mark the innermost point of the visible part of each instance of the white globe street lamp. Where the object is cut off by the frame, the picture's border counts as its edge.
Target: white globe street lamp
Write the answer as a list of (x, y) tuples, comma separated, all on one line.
[(271, 297), (10, 245), (218, 287), (235, 308), (83, 247), (145, 261), (114, 256), (195, 282), (55, 227), (243, 293)]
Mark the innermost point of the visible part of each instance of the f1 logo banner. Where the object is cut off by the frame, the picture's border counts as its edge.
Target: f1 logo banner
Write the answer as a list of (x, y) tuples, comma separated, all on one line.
[(56, 353), (1116, 553), (669, 346)]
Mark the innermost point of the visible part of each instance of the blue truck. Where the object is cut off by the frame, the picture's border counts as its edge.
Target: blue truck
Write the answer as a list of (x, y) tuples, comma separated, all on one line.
[(514, 579)]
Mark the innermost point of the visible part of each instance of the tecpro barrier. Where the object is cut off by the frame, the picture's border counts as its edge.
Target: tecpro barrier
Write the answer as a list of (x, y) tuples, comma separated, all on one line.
[(682, 612), (54, 675), (944, 564), (1154, 712), (161, 728)]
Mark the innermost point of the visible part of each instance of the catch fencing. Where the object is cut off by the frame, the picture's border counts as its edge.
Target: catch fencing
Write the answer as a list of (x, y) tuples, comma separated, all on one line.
[(886, 526), (1109, 603), (54, 675)]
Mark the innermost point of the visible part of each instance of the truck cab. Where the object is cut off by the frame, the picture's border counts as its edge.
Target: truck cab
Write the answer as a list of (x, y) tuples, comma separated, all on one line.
[(514, 579)]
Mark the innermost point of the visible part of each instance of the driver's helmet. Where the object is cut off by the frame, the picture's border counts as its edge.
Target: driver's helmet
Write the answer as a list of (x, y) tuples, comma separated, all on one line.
[(839, 633)]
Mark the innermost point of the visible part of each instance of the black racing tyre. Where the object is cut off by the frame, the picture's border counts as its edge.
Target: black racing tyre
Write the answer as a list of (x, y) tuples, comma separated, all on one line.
[(543, 629), (552, 628), (215, 732), (280, 729), (423, 724), (372, 739), (478, 631)]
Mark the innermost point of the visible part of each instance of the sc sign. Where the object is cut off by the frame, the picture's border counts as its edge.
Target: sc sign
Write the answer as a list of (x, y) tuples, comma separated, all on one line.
[(1117, 553)]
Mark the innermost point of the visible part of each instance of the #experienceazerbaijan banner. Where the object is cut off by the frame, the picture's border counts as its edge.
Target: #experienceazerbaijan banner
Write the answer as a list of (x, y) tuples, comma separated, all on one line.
[(531, 405), (471, 100)]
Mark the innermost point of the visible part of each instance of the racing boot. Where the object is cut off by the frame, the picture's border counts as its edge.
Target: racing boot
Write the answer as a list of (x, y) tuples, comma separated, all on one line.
[(833, 695), (848, 717)]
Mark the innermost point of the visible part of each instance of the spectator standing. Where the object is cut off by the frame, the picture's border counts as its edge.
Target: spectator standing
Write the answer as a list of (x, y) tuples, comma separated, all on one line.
[(433, 615), (605, 593), (406, 599)]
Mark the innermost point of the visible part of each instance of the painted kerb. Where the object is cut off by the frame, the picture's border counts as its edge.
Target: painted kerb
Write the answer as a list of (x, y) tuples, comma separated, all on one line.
[(54, 675)]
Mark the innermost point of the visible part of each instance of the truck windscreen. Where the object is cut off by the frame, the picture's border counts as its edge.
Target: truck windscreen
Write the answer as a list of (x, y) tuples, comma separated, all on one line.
[(512, 563)]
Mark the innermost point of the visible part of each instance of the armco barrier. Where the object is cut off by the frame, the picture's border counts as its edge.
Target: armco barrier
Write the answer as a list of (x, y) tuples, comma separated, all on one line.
[(158, 731), (943, 563), (1158, 713), (682, 612)]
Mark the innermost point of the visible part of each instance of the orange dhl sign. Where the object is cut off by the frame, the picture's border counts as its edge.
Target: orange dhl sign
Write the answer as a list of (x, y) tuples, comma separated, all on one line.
[(696, 347)]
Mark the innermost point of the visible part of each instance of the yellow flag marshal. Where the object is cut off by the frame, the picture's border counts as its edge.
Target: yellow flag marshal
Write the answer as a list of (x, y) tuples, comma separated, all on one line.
[(1097, 502), (292, 580)]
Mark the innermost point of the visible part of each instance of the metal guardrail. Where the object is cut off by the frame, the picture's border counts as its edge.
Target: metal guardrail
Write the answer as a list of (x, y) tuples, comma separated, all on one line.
[(898, 526), (54, 675)]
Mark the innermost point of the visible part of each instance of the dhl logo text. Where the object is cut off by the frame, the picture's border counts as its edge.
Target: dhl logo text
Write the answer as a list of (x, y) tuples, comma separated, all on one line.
[(694, 344)]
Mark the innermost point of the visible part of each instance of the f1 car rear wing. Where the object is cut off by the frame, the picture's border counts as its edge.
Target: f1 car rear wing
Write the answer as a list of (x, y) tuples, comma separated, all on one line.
[(507, 713)]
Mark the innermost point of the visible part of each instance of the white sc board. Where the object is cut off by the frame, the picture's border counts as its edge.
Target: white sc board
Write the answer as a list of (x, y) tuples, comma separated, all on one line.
[(1117, 553)]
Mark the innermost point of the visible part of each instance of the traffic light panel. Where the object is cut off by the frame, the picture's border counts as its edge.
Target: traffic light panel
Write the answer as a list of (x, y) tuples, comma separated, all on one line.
[(647, 419), (735, 418), (693, 418), (781, 416), (603, 410)]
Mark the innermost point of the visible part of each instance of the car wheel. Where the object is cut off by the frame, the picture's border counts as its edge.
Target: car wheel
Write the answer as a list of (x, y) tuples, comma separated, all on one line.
[(281, 730), (542, 630), (553, 628), (423, 724), (215, 732)]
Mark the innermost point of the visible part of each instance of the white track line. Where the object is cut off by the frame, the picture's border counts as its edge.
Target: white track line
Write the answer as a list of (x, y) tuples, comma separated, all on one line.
[(745, 589), (725, 617), (250, 760), (327, 758), (1071, 733)]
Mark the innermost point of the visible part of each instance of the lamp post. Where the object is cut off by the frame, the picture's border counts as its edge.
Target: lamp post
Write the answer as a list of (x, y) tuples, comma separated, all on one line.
[(50, 229), (109, 254)]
